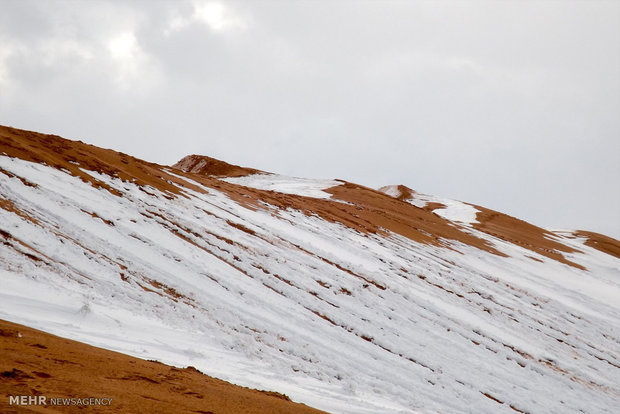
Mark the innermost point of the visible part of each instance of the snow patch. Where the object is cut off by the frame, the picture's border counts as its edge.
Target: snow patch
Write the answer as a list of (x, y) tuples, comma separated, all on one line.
[(287, 185), (457, 211), (391, 190)]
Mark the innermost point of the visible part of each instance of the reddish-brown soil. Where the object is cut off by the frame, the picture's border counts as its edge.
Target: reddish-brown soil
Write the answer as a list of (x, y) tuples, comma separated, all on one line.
[(72, 155), (522, 234), (201, 164), (382, 211), (600, 242), (372, 211), (9, 206), (368, 211), (406, 193), (36, 363)]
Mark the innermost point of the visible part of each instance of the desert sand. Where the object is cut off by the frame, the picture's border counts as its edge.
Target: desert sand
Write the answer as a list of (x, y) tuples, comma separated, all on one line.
[(35, 363)]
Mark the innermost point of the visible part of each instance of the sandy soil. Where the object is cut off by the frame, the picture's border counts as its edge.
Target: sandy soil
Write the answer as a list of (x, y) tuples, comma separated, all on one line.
[(522, 233), (369, 210), (201, 164), (600, 242), (36, 363)]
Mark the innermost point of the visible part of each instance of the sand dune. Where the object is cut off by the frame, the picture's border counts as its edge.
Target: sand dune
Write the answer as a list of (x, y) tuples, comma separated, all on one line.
[(36, 363), (343, 297)]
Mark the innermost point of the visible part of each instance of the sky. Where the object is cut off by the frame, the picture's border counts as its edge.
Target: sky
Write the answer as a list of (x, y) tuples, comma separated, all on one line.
[(513, 105)]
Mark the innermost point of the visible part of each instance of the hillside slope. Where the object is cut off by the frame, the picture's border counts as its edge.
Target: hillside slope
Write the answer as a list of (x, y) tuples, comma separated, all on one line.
[(36, 363), (343, 297)]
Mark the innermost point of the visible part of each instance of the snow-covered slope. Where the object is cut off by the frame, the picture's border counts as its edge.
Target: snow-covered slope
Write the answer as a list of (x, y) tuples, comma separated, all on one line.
[(453, 210), (344, 298), (287, 185)]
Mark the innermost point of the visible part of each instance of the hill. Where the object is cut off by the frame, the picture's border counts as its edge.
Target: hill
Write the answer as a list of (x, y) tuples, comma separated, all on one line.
[(343, 297)]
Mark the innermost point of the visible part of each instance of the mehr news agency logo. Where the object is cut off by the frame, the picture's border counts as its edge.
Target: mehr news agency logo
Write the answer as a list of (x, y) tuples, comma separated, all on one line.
[(58, 401)]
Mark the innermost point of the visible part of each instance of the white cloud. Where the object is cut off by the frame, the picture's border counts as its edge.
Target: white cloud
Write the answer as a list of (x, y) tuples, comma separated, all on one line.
[(215, 15), (176, 23), (133, 67), (124, 46), (218, 17)]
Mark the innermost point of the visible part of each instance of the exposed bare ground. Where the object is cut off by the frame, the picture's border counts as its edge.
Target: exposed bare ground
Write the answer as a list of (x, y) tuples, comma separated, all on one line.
[(36, 363)]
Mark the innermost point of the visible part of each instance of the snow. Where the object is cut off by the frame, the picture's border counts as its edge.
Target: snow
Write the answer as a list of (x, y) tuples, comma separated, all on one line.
[(391, 190), (284, 184), (268, 308), (456, 211)]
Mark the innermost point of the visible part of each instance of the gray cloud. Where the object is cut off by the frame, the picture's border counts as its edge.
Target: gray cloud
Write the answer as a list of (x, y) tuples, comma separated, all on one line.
[(511, 105)]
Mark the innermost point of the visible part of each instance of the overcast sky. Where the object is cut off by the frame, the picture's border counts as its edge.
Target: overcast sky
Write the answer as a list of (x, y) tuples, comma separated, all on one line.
[(511, 105)]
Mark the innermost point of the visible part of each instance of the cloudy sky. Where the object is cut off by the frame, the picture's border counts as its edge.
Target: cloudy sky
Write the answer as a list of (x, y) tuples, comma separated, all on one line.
[(511, 105)]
